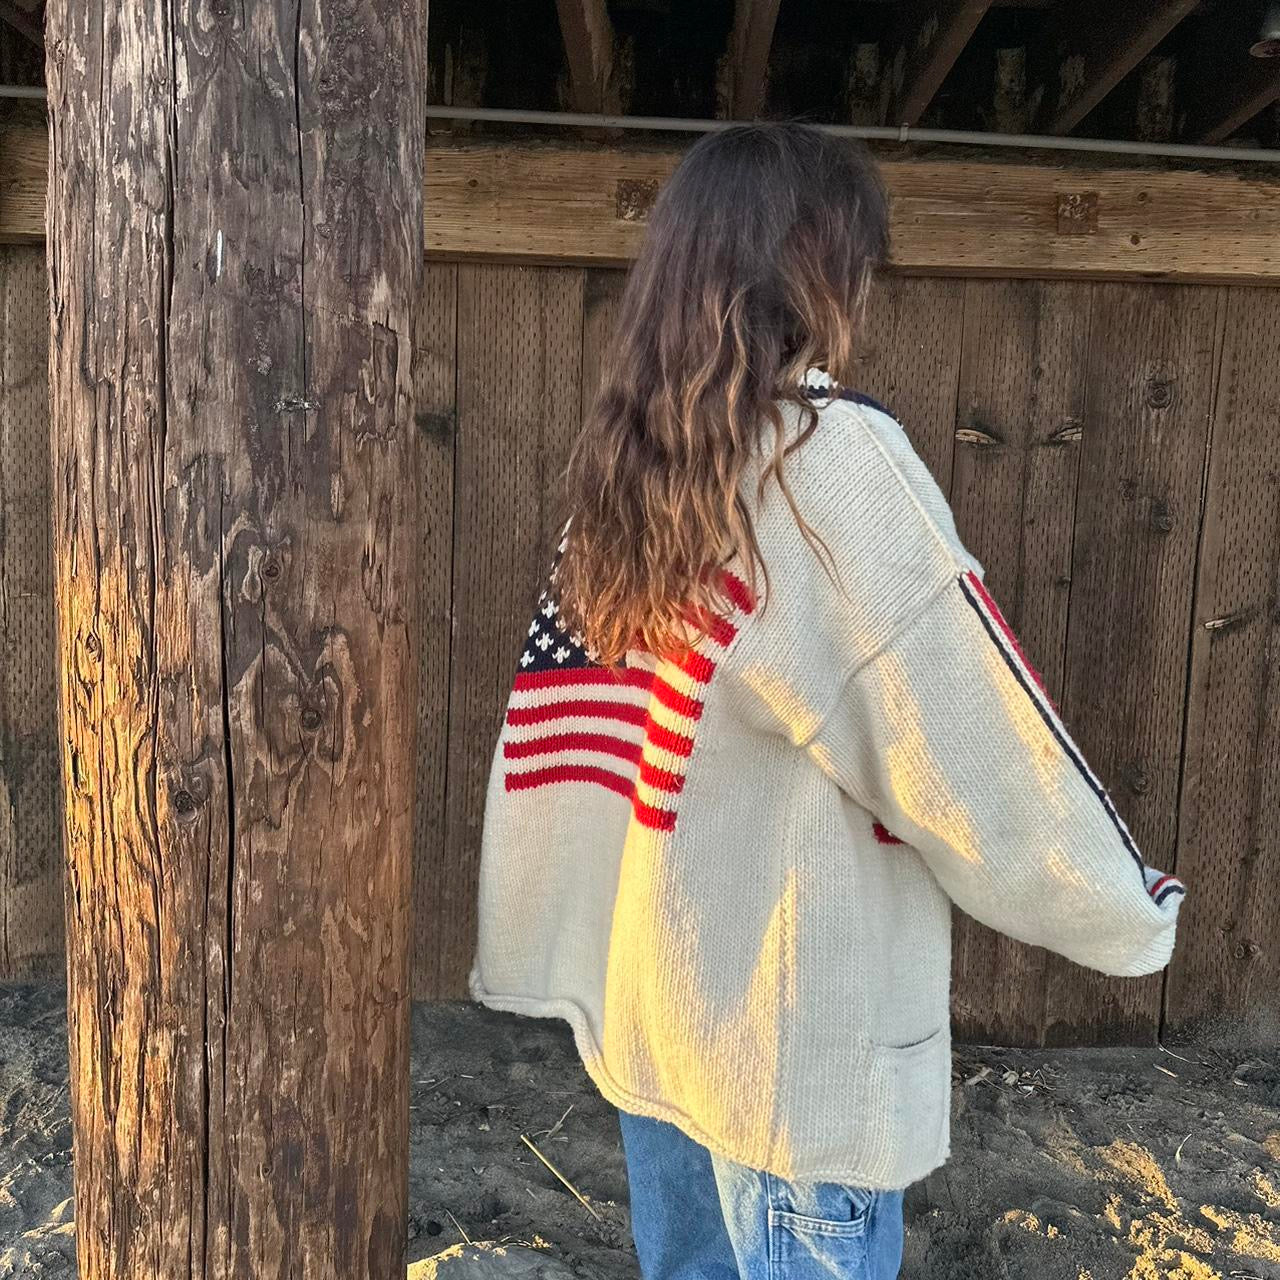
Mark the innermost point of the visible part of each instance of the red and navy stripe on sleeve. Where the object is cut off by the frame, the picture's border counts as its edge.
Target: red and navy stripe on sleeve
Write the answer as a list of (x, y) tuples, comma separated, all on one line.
[(1160, 887)]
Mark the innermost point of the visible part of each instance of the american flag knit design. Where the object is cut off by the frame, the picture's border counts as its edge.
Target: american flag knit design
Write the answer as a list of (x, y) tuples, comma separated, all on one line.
[(630, 731)]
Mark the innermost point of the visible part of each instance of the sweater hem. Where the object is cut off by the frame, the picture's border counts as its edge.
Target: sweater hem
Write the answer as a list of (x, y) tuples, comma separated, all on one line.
[(619, 1096)]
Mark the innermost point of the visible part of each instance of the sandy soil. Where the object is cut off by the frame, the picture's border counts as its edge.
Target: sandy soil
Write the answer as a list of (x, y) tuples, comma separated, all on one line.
[(1078, 1165)]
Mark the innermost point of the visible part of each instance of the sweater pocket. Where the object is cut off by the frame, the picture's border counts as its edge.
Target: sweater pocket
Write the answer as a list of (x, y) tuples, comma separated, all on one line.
[(916, 1084)]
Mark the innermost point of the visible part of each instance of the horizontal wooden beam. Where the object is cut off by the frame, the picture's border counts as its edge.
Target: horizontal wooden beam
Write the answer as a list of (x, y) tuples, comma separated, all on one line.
[(1084, 52), (532, 202), (975, 217)]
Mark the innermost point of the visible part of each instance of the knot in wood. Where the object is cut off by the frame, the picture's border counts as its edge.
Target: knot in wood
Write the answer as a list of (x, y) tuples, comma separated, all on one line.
[(184, 802), (1159, 393), (270, 569), (1161, 517), (311, 719), (93, 646)]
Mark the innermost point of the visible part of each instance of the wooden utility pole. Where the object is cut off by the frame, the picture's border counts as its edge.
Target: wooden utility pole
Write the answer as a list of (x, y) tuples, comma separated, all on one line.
[(235, 248)]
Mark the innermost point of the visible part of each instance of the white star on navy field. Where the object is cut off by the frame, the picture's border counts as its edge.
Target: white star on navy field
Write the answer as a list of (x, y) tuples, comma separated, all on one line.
[(551, 645)]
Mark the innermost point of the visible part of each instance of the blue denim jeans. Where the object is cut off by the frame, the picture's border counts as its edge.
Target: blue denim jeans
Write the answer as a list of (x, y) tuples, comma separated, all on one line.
[(696, 1216)]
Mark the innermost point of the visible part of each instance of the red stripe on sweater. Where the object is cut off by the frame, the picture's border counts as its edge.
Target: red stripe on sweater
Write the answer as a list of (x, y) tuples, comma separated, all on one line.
[(884, 835), (628, 678), (649, 816), (570, 773), (739, 593), (578, 707), (1006, 630), (698, 666), (602, 742), (646, 814), (674, 700), (1160, 884), (660, 779), (678, 744), (720, 630)]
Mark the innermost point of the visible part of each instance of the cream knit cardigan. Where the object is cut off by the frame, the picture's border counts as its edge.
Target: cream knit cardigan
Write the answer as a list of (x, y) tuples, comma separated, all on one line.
[(734, 877)]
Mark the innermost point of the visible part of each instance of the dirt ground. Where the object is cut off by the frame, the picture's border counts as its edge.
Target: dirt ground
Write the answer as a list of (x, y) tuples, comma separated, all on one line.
[(1069, 1165)]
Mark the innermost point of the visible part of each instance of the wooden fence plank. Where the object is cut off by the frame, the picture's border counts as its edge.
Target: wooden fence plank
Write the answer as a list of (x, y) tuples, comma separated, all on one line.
[(31, 902), (910, 360), (602, 296), (435, 376), (1011, 356), (1152, 355), (519, 403), (1021, 404), (1226, 969)]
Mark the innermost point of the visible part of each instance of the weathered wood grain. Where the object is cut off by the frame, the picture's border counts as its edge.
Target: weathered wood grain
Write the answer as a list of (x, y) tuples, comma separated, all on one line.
[(31, 878), (234, 258), (562, 204), (519, 407), (1226, 969), (1149, 391), (1021, 409), (558, 204), (909, 360), (436, 364)]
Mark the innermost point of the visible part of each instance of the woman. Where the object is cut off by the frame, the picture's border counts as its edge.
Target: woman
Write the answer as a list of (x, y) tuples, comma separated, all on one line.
[(767, 726)]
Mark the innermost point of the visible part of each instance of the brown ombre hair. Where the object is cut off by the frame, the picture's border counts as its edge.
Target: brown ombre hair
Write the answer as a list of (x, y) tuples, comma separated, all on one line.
[(754, 270)]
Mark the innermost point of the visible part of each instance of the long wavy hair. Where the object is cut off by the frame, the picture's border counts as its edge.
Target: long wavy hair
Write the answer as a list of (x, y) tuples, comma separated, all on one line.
[(755, 269)]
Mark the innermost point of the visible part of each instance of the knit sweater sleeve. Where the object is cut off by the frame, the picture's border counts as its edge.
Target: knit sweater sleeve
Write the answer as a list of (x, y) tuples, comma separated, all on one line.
[(948, 738)]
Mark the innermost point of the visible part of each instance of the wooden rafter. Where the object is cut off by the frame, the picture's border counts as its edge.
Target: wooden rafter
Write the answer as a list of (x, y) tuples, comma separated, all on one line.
[(1229, 93), (588, 46), (748, 56), (1086, 51), (1221, 109), (1223, 88), (23, 23), (927, 38)]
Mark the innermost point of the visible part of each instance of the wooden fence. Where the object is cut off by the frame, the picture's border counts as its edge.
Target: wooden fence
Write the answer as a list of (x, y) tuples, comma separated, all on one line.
[(1112, 451)]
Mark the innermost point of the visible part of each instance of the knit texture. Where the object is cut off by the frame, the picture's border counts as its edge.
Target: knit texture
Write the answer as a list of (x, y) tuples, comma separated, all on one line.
[(733, 875)]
